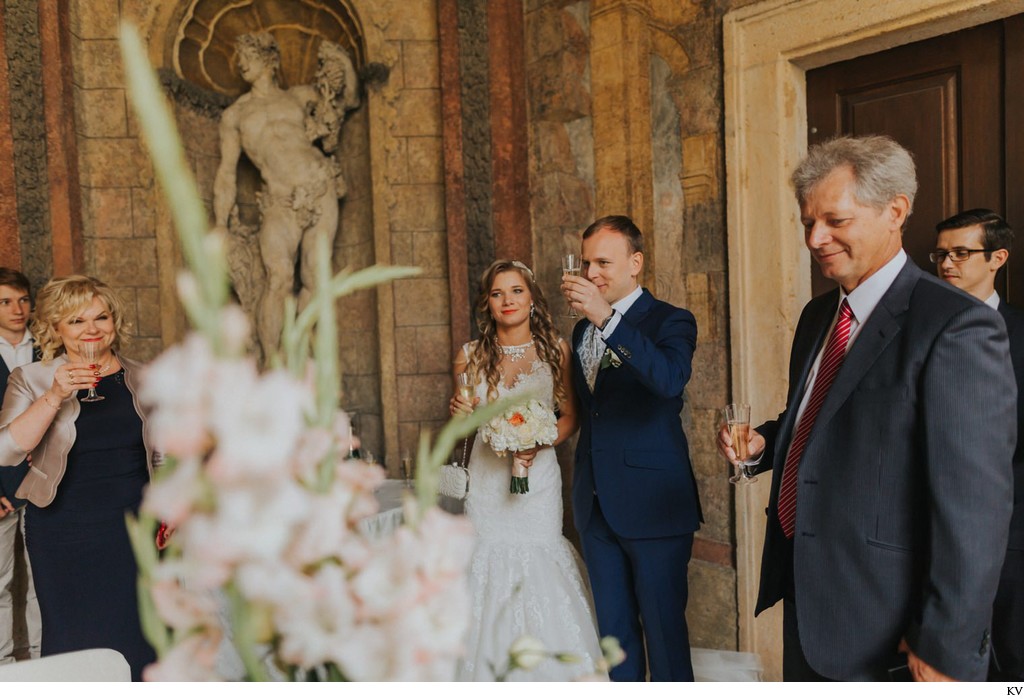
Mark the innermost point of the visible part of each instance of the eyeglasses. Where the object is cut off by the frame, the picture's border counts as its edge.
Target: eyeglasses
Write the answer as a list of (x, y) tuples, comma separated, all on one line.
[(957, 255)]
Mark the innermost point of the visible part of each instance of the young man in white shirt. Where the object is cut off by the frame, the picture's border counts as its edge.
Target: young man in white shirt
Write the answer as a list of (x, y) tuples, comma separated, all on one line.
[(16, 349), (970, 249)]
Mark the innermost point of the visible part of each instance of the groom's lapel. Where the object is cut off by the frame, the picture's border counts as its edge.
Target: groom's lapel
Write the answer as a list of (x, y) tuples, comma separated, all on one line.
[(636, 313)]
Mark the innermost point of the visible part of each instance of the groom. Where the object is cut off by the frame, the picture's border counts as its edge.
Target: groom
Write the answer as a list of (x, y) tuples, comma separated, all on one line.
[(634, 495)]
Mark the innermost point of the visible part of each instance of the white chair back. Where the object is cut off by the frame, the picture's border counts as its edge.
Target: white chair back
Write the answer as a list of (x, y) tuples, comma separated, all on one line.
[(88, 665)]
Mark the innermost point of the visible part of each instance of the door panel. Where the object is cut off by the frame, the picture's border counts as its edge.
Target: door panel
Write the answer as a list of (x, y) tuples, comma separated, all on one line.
[(943, 100)]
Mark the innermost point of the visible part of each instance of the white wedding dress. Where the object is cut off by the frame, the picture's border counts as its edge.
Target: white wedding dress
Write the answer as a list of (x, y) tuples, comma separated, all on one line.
[(525, 578)]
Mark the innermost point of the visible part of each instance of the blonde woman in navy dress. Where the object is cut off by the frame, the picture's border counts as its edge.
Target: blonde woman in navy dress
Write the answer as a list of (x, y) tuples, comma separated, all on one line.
[(89, 464)]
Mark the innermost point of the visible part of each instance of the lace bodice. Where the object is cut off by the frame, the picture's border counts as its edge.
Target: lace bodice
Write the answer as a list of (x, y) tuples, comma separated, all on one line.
[(531, 376)]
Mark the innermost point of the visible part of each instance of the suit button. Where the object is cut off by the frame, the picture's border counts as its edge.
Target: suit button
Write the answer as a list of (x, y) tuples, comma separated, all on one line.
[(596, 414)]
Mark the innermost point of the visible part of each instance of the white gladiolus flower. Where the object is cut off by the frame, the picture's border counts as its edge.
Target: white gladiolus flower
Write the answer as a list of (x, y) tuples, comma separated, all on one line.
[(175, 494), (257, 421)]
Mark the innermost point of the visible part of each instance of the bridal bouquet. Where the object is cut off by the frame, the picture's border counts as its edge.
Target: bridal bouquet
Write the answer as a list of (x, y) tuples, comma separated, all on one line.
[(520, 428)]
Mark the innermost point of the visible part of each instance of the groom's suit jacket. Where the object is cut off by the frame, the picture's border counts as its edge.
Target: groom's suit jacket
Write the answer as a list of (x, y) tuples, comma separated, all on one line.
[(631, 450), (905, 485)]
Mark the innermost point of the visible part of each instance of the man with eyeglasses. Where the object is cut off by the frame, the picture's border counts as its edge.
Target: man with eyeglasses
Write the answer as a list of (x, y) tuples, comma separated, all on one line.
[(970, 249)]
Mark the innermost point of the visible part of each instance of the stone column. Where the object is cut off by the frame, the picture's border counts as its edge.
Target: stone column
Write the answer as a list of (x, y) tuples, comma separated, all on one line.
[(620, 40)]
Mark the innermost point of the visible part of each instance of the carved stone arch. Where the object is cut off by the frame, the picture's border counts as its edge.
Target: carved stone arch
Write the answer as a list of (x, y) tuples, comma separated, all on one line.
[(204, 40)]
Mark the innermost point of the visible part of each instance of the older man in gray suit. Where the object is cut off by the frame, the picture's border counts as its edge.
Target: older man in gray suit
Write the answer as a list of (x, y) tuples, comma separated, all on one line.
[(891, 465)]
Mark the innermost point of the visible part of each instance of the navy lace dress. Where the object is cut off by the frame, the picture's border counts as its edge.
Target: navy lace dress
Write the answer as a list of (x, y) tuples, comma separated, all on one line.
[(82, 562)]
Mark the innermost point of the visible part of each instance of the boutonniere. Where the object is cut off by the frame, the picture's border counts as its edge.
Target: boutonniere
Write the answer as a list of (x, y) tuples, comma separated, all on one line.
[(610, 359)]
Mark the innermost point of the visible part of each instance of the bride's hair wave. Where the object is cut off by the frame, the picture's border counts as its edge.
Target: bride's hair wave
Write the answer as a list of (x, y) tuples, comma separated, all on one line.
[(486, 356)]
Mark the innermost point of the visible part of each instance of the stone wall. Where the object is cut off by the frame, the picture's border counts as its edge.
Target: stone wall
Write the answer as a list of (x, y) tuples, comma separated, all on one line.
[(639, 131), (27, 125), (393, 343), (416, 225), (116, 177), (624, 114)]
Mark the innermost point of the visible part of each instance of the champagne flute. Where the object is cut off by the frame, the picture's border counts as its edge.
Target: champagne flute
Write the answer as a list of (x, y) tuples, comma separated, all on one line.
[(353, 447), (407, 469), (467, 390), (571, 265), (737, 417), (90, 352)]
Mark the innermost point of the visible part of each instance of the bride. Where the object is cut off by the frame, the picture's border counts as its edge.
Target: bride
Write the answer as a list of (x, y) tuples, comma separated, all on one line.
[(525, 577)]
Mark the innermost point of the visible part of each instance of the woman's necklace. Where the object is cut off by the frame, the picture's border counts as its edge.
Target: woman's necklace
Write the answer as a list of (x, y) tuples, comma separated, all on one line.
[(515, 352)]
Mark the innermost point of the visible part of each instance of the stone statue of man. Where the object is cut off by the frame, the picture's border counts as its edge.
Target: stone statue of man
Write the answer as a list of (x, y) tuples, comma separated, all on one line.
[(279, 130)]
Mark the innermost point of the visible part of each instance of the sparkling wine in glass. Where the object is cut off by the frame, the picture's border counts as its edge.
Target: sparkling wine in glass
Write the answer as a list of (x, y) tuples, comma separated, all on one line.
[(353, 442), (571, 265), (90, 352), (466, 388), (737, 417), (407, 469)]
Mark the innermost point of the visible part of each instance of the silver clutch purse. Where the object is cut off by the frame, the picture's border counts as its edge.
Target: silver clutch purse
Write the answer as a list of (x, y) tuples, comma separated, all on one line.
[(454, 481)]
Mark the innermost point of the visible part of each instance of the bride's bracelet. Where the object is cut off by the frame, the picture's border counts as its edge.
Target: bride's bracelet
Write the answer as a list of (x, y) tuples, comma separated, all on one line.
[(47, 402)]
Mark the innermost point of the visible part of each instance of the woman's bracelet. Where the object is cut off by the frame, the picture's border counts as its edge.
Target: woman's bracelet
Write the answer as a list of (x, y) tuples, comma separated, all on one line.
[(47, 402)]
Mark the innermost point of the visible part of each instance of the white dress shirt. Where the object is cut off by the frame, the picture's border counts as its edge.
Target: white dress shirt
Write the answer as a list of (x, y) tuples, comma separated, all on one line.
[(619, 310), (862, 301), (17, 355)]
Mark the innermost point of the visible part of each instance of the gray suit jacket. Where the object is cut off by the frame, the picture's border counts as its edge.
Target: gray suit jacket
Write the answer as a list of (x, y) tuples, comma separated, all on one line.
[(905, 486)]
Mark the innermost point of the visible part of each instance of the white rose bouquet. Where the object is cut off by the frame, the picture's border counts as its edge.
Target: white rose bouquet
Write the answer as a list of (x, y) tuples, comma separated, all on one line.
[(520, 428)]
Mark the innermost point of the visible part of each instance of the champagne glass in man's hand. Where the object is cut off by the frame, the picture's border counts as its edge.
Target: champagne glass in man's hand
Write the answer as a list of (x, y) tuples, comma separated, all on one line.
[(571, 265), (737, 420), (90, 353)]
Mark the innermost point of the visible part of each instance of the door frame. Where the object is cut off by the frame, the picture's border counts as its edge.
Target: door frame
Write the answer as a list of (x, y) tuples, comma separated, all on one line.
[(767, 53)]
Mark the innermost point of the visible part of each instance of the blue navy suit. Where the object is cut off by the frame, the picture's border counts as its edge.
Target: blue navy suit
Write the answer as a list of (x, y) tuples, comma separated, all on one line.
[(634, 495)]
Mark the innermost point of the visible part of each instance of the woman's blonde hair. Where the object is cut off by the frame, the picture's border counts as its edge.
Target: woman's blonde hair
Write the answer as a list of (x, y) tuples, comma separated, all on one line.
[(63, 298), (486, 356)]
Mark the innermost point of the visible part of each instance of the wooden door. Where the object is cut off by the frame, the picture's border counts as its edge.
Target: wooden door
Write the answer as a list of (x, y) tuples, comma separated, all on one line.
[(947, 100)]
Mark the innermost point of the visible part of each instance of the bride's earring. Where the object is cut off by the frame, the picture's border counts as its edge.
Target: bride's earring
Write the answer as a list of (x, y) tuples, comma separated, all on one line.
[(532, 309)]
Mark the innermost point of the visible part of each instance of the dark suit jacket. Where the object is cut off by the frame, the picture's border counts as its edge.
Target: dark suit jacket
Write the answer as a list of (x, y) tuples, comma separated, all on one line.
[(11, 477), (631, 447), (1014, 319), (904, 493), (1008, 612)]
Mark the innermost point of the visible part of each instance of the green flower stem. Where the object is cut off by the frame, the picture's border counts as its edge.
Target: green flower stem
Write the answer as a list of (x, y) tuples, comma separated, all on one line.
[(141, 531), (325, 349), (519, 484), (242, 636), (205, 254)]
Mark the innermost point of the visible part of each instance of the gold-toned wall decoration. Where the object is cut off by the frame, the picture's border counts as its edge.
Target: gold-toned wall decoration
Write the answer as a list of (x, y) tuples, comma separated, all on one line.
[(204, 46)]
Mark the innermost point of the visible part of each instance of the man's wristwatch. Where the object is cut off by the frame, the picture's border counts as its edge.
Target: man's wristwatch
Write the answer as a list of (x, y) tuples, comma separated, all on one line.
[(604, 323)]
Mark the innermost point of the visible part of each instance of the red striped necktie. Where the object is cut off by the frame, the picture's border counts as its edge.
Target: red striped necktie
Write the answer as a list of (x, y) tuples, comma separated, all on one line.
[(831, 361)]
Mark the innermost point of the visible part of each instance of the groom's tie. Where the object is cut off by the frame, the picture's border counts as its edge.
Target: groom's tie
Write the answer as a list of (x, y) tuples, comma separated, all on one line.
[(831, 361)]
